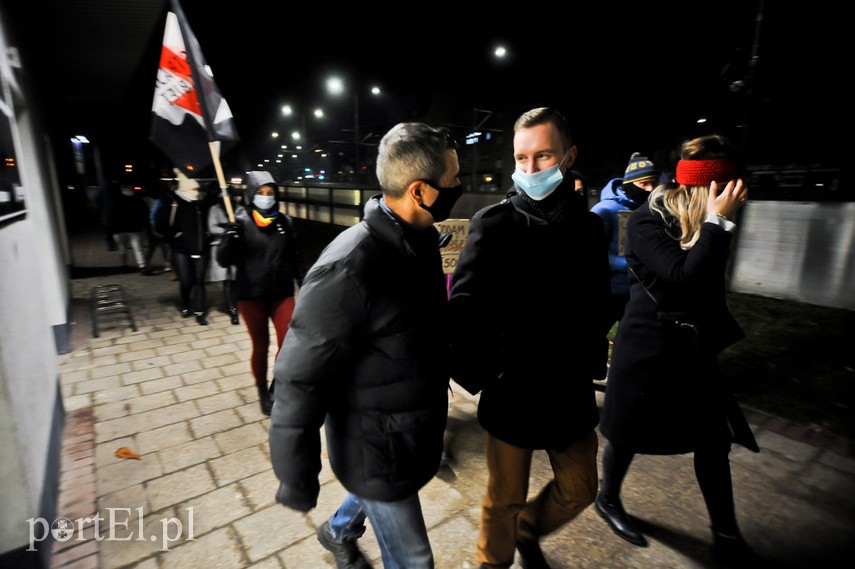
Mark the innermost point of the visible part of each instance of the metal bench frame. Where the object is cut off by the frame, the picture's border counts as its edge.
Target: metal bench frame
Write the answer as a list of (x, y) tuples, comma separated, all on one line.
[(108, 298)]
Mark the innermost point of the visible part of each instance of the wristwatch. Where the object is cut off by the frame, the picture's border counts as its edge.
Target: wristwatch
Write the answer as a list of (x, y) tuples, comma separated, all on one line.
[(721, 221)]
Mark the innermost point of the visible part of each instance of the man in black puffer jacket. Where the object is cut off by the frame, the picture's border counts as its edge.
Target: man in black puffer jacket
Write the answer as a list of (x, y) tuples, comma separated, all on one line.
[(366, 356)]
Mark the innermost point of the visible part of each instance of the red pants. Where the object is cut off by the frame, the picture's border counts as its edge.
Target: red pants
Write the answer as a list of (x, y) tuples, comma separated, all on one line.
[(255, 314)]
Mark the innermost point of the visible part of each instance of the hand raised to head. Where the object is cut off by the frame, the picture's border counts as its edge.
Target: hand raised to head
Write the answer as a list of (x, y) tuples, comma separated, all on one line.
[(731, 198)]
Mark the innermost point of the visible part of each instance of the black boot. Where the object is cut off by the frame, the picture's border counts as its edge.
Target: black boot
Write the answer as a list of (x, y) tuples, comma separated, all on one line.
[(233, 314), (200, 319), (619, 521), (733, 551), (264, 399), (346, 553)]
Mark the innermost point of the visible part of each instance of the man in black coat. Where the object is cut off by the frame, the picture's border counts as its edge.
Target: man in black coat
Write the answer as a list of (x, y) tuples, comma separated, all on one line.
[(528, 305), (366, 356)]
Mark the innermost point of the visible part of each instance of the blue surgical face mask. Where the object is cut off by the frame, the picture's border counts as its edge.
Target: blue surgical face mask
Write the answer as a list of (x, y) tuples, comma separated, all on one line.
[(539, 184), (263, 202)]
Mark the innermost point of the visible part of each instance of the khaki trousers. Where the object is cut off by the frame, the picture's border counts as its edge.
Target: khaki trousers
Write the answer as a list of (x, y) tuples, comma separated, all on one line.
[(506, 516)]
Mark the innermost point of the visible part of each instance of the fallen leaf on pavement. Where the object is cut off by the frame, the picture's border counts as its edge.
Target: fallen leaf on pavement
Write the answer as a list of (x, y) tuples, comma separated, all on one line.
[(125, 452)]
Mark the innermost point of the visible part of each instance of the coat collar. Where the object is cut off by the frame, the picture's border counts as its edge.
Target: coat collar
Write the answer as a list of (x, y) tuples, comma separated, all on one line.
[(392, 229)]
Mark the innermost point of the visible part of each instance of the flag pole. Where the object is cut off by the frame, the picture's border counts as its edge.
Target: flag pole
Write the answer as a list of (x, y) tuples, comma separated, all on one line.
[(212, 144)]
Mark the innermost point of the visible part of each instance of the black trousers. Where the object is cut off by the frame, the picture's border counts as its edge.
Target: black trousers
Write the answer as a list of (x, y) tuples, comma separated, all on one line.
[(712, 470), (191, 280)]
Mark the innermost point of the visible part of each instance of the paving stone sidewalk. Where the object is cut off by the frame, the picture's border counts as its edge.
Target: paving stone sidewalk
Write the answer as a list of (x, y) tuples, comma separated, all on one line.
[(201, 493)]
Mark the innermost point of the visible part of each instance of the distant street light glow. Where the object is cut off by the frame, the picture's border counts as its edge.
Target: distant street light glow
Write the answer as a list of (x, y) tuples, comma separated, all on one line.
[(335, 85), (287, 110), (500, 51), (319, 113)]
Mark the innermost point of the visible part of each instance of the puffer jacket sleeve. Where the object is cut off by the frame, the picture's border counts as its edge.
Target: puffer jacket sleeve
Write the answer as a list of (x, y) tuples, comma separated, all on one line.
[(328, 321)]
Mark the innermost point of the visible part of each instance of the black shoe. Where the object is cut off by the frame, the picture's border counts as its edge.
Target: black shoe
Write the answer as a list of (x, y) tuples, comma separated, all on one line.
[(233, 314), (185, 312), (147, 271), (264, 399), (733, 551), (531, 556), (200, 319), (619, 521), (347, 554)]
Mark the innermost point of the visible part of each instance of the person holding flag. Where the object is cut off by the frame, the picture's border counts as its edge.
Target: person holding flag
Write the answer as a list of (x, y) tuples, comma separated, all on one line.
[(191, 123), (263, 247)]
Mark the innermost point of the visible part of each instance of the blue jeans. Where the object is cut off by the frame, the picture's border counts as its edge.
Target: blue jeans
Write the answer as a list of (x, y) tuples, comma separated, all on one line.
[(399, 527)]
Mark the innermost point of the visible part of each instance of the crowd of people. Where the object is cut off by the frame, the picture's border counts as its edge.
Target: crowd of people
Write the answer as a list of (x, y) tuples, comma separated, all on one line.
[(370, 336), (376, 337)]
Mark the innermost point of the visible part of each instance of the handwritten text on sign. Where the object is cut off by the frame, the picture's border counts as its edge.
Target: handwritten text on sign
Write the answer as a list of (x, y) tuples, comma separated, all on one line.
[(459, 230)]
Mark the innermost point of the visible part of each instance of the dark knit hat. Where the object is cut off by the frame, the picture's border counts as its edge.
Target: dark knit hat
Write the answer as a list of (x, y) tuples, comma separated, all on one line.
[(640, 168)]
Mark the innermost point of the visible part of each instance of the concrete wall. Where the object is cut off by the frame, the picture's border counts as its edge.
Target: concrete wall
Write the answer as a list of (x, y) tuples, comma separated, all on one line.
[(34, 301), (802, 251)]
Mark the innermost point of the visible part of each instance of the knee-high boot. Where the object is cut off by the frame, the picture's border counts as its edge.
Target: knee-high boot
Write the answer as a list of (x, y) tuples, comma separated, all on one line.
[(608, 504)]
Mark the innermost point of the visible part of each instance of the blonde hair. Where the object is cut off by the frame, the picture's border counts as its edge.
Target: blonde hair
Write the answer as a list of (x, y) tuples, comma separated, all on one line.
[(684, 208)]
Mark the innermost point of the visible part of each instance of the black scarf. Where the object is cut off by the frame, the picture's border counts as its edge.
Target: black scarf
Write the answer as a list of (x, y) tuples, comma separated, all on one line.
[(555, 207)]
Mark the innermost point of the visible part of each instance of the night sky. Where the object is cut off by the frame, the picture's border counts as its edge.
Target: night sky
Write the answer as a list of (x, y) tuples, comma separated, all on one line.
[(628, 76)]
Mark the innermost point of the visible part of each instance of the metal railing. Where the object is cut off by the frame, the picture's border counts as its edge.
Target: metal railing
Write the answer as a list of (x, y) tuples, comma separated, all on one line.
[(336, 204)]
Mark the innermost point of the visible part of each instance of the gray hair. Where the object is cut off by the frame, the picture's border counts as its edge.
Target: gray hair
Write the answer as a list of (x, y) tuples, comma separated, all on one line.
[(411, 151)]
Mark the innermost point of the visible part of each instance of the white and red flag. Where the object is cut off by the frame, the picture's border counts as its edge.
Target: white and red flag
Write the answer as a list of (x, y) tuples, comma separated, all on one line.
[(188, 111)]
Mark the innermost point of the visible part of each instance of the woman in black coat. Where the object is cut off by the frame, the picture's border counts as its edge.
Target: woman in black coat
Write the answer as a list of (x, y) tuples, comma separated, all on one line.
[(664, 393), (262, 246)]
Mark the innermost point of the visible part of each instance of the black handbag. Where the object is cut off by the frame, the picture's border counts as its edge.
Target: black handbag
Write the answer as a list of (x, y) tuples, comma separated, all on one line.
[(679, 324)]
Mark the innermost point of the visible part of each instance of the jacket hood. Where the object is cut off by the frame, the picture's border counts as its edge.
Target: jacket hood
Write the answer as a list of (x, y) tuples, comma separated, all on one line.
[(612, 191), (255, 180)]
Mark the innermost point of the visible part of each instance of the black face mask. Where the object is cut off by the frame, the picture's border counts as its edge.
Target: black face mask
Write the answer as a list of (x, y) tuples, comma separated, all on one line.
[(636, 194), (440, 209)]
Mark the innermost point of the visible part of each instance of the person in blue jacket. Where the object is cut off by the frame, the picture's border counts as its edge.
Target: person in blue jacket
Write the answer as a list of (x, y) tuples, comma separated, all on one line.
[(623, 195)]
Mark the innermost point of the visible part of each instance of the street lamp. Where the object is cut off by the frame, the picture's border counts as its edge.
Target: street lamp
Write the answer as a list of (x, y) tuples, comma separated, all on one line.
[(298, 114), (335, 86)]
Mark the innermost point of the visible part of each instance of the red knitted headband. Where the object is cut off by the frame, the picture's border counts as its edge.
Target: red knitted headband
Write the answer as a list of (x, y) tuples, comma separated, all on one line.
[(702, 172)]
